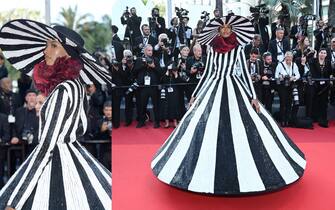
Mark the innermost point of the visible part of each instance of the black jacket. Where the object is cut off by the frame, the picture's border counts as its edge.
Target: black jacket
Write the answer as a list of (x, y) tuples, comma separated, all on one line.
[(248, 48), (155, 30), (4, 129), (319, 39), (133, 26), (142, 70), (3, 72), (6, 99), (189, 63), (139, 40), (118, 48), (273, 48), (26, 120)]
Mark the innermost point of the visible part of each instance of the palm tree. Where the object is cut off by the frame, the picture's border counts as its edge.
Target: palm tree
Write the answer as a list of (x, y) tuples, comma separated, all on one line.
[(70, 18)]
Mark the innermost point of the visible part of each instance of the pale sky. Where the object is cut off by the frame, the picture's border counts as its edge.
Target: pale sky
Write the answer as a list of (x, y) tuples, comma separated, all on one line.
[(97, 8)]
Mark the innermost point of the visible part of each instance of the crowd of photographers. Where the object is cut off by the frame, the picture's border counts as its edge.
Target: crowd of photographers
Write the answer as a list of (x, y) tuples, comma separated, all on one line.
[(165, 63)]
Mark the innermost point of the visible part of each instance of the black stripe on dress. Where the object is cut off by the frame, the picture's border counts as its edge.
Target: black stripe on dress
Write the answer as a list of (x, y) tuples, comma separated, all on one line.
[(299, 170), (17, 178), (175, 140), (29, 203), (184, 174), (56, 193), (267, 170), (105, 184), (92, 196), (46, 144), (226, 180)]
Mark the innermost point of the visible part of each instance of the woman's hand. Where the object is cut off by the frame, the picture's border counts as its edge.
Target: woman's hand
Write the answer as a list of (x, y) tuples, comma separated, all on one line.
[(254, 103), (191, 102)]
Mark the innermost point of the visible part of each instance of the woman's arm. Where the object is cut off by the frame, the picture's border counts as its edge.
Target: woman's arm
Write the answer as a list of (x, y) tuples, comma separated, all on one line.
[(58, 111)]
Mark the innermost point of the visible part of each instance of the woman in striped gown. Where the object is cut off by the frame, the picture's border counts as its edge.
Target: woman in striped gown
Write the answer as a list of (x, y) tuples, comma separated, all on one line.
[(223, 146), (59, 174)]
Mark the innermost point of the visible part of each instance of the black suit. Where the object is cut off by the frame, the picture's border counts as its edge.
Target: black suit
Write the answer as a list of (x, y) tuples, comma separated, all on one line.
[(173, 33), (116, 38), (104, 156), (156, 29), (133, 27), (273, 48), (26, 120), (154, 74), (5, 137), (118, 49), (248, 47), (319, 39), (137, 50)]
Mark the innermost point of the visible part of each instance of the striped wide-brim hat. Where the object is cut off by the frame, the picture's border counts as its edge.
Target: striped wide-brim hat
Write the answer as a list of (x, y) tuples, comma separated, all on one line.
[(23, 42), (241, 26)]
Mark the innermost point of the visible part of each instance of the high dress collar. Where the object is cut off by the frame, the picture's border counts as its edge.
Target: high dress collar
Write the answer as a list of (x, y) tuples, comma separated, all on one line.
[(223, 45), (47, 77)]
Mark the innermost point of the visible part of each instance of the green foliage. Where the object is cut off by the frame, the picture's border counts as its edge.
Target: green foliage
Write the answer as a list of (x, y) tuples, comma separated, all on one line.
[(97, 35), (6, 16), (70, 18), (161, 6), (145, 2)]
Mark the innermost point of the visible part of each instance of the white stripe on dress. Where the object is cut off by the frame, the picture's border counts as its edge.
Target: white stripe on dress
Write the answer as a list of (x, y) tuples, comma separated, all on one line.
[(96, 185), (248, 176), (204, 173), (41, 201), (281, 163), (169, 170), (288, 148), (72, 182)]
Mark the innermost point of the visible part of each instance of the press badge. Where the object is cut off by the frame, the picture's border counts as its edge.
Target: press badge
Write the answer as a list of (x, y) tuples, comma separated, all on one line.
[(322, 82), (146, 80), (170, 89), (198, 76), (11, 119)]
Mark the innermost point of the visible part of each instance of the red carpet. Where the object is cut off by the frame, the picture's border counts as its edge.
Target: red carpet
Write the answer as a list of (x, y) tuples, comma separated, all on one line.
[(136, 188)]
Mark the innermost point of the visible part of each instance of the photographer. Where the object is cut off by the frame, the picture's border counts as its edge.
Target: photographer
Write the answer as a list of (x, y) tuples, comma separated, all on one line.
[(287, 73), (260, 20), (119, 77), (303, 48), (4, 138), (3, 69), (162, 51), (280, 24), (128, 66), (177, 37), (133, 23), (256, 43), (169, 97), (331, 58), (267, 74), (254, 66), (279, 46), (216, 14), (195, 67), (156, 23), (183, 75), (320, 34), (26, 123), (320, 67), (148, 74), (299, 30), (142, 41), (104, 132)]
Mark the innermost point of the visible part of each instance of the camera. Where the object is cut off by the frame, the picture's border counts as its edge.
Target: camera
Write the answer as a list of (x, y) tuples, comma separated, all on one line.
[(181, 12), (262, 8), (126, 12), (295, 95), (28, 135), (129, 59), (308, 51), (147, 60), (255, 77), (165, 41), (286, 80), (204, 16), (132, 88), (109, 124), (200, 66)]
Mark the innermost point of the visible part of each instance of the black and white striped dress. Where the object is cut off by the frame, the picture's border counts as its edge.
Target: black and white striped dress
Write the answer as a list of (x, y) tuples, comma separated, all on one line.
[(222, 145), (60, 174)]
